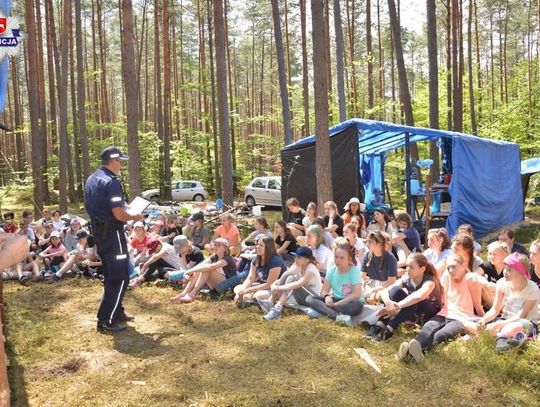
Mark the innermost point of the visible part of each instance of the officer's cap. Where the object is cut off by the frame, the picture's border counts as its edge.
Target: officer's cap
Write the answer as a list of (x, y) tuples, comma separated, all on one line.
[(111, 153)]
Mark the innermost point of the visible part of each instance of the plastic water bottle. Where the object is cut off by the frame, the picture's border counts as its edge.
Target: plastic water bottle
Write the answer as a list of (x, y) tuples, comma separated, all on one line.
[(425, 163)]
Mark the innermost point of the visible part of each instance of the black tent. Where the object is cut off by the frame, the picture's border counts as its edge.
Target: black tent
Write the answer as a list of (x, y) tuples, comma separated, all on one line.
[(298, 169)]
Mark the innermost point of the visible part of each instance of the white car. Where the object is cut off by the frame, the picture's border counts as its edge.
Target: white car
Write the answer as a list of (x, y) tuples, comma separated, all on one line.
[(181, 191), (264, 191)]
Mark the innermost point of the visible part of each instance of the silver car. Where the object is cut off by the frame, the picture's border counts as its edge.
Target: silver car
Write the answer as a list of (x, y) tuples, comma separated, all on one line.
[(264, 191), (181, 190)]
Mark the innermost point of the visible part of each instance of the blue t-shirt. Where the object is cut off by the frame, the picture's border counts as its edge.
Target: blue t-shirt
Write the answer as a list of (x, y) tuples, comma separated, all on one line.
[(103, 192), (379, 268), (412, 239), (342, 283), (263, 271)]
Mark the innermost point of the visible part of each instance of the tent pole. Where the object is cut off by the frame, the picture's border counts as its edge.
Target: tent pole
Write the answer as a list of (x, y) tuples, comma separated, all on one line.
[(408, 175)]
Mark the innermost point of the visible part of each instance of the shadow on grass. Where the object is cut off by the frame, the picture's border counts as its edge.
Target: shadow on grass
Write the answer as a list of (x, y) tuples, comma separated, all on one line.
[(134, 343), (18, 396)]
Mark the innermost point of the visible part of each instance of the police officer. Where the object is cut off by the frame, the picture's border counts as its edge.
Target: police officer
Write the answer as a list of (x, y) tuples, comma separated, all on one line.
[(104, 201)]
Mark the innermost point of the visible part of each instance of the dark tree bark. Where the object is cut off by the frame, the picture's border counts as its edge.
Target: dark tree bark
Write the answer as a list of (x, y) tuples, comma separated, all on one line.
[(214, 108), (131, 83), (287, 128), (62, 75), (81, 97), (323, 171), (223, 106), (166, 102), (470, 69), (305, 75), (433, 84), (340, 62), (369, 50), (33, 104), (457, 90)]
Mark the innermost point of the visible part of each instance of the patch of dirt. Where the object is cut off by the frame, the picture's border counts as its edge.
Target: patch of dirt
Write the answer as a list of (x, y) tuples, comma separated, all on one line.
[(99, 359)]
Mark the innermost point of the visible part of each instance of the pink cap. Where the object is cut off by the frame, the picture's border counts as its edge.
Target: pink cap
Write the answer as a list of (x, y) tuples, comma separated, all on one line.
[(512, 261)]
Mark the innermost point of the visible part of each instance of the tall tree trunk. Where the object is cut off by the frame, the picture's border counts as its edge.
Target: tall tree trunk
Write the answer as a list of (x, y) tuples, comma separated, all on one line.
[(131, 83), (81, 97), (19, 122), (369, 57), (449, 124), (202, 70), (45, 146), (51, 43), (478, 61), (433, 84), (340, 62), (33, 104), (75, 181), (457, 90), (214, 108), (381, 61), (166, 102), (470, 68), (62, 74), (232, 97), (351, 22), (287, 128), (492, 64), (323, 162), (223, 106), (505, 66), (158, 107), (305, 75)]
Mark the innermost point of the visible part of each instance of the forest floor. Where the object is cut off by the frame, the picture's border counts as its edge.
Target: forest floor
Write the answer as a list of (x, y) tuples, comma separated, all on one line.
[(210, 353)]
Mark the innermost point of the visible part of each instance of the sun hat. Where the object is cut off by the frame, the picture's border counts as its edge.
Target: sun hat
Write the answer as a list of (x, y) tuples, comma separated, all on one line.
[(355, 200), (55, 233), (138, 224)]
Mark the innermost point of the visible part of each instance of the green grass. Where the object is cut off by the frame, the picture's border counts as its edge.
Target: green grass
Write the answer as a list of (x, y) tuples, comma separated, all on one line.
[(211, 353)]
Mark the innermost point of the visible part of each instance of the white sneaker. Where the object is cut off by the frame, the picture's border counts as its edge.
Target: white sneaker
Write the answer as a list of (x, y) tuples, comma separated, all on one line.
[(402, 352), (344, 319), (274, 313), (266, 305), (415, 349)]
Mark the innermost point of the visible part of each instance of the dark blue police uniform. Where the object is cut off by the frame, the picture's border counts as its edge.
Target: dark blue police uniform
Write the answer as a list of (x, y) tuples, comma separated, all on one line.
[(103, 192)]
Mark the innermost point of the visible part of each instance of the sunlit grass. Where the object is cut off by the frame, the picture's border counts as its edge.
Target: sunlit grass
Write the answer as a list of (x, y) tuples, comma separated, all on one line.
[(211, 353)]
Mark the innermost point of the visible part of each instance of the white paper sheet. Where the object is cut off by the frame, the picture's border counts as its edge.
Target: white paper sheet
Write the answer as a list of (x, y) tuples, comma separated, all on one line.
[(137, 206)]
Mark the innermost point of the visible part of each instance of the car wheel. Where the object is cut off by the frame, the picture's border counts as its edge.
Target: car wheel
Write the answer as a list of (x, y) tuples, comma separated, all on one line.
[(198, 198), (250, 201)]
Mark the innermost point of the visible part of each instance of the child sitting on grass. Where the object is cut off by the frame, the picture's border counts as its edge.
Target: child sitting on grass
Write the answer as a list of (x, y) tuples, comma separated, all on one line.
[(341, 296), (516, 301), (300, 280), (55, 254)]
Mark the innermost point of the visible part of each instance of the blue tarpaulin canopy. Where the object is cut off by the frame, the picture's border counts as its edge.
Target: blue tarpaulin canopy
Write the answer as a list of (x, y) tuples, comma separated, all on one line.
[(485, 186), (528, 169)]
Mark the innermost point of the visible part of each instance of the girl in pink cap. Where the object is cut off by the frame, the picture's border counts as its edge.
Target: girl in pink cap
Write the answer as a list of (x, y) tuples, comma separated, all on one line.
[(516, 299)]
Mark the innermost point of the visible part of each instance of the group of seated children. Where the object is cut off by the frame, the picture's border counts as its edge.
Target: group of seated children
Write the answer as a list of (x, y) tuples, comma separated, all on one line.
[(336, 264), (332, 266), (56, 247)]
